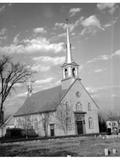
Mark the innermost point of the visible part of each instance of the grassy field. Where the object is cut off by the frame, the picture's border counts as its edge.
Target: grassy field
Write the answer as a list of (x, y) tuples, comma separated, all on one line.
[(77, 146)]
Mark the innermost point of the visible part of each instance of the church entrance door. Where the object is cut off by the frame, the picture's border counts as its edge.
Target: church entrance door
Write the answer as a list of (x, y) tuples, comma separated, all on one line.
[(79, 125)]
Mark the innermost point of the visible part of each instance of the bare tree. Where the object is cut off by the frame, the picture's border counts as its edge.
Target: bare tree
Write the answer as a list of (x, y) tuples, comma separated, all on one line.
[(45, 122), (63, 114), (10, 74)]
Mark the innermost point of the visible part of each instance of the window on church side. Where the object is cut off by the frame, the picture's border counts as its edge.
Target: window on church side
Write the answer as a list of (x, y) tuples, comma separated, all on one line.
[(90, 122), (89, 107), (36, 124), (78, 106), (73, 72), (66, 73)]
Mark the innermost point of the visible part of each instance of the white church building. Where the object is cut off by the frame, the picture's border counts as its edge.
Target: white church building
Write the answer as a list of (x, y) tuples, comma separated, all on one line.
[(67, 109)]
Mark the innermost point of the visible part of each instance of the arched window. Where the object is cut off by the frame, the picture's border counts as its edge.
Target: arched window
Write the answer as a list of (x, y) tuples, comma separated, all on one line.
[(73, 72), (90, 122), (89, 107), (78, 106), (66, 72)]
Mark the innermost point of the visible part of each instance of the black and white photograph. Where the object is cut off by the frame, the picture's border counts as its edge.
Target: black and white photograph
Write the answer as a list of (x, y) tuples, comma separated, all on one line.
[(59, 79)]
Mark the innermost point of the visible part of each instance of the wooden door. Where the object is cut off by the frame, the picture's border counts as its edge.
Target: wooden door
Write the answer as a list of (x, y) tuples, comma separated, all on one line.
[(79, 125)]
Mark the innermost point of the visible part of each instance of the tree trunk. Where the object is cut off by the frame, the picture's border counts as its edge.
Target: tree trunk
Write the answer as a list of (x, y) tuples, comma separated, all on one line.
[(1, 117)]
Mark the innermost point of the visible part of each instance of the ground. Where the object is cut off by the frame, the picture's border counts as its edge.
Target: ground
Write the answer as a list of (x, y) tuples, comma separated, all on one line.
[(74, 146)]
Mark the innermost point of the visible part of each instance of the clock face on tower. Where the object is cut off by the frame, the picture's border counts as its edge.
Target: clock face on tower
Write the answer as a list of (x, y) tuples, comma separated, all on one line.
[(78, 94)]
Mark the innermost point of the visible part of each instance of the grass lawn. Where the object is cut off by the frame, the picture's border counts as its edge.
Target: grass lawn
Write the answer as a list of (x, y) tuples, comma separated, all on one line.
[(74, 146)]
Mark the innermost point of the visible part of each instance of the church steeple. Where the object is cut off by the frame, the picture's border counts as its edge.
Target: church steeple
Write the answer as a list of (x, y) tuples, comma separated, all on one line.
[(68, 45), (69, 68)]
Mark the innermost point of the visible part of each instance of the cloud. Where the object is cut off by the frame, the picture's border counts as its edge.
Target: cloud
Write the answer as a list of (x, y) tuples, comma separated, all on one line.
[(31, 46), (90, 89), (73, 11), (97, 89), (110, 7), (3, 36), (116, 53), (112, 22), (104, 57), (98, 70), (72, 26), (51, 60), (2, 8), (90, 25), (21, 94), (39, 30), (62, 35), (3, 31), (40, 68), (101, 57), (44, 81), (16, 39), (60, 25)]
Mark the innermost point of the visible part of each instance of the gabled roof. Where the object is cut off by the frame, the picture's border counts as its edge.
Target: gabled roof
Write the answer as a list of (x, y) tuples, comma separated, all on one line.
[(43, 101)]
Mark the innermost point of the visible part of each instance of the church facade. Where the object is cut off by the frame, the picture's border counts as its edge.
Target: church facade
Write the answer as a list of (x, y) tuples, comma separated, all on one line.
[(67, 109)]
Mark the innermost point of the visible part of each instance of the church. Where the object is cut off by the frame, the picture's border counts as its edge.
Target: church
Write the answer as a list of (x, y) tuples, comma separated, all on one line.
[(67, 109)]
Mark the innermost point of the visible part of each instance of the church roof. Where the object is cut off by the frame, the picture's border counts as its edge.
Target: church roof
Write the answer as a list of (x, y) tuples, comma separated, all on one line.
[(42, 101)]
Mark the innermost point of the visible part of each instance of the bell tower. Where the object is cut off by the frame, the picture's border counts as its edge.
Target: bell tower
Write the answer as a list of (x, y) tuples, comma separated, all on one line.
[(69, 68)]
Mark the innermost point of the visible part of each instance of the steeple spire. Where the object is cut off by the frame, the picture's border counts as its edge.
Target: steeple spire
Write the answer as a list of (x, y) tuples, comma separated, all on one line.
[(68, 45), (69, 68)]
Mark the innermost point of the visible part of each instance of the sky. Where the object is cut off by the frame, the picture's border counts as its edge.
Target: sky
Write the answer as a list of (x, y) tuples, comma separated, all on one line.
[(34, 35)]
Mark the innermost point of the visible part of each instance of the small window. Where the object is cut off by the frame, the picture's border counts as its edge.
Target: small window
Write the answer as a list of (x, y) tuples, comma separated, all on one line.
[(90, 122), (73, 72), (78, 106), (66, 72), (52, 132), (89, 107)]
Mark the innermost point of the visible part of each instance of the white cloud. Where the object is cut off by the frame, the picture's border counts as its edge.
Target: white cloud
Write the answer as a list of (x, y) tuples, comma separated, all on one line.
[(3, 31), (116, 53), (98, 70), (39, 67), (16, 38), (90, 89), (101, 57), (60, 25), (51, 60), (91, 25), (104, 57), (21, 94), (62, 35), (31, 46), (111, 7), (112, 22), (44, 81), (72, 26), (2, 8), (73, 11), (97, 89), (91, 21), (39, 30)]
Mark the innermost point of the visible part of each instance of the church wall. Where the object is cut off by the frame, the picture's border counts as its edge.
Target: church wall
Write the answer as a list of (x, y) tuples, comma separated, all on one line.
[(83, 100), (61, 129), (35, 121)]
